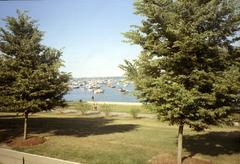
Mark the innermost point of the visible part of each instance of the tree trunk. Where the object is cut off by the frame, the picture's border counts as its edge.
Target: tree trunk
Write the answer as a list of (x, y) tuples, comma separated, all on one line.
[(25, 125), (180, 141)]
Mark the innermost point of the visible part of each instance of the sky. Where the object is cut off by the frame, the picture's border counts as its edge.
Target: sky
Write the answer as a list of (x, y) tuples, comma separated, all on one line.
[(88, 31)]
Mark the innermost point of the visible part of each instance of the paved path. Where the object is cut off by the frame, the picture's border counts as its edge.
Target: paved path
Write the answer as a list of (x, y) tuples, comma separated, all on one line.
[(8, 156)]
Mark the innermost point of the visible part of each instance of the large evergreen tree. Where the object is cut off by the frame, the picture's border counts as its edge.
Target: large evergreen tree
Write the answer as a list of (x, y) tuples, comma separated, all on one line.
[(30, 77), (188, 69), (6, 81)]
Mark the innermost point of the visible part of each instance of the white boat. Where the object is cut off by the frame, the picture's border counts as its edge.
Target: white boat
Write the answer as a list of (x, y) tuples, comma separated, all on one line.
[(90, 90), (97, 91)]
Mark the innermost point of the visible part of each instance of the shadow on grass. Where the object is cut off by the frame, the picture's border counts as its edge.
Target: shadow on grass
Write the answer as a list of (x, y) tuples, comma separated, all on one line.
[(213, 143), (7, 116), (79, 127)]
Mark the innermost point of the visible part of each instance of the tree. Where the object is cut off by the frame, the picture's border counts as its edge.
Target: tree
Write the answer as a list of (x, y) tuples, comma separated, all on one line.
[(188, 69), (6, 81), (30, 76)]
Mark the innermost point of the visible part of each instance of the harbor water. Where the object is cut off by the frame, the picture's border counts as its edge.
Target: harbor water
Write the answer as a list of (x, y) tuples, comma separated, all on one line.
[(110, 94)]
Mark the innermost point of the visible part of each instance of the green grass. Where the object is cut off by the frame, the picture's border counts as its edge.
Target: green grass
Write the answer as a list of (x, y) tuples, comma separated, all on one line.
[(94, 139), (114, 107), (128, 108)]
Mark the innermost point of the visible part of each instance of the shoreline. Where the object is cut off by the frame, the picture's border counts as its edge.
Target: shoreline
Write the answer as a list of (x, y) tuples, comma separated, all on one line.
[(115, 103)]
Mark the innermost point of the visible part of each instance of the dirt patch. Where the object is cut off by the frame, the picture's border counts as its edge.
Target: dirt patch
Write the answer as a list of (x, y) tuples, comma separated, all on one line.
[(30, 141), (170, 159)]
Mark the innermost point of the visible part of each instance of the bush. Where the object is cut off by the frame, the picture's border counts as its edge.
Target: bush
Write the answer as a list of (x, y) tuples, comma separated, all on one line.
[(83, 107), (134, 113), (106, 109)]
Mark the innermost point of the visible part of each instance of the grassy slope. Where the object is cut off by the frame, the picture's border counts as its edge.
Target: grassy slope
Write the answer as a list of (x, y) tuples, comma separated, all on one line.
[(114, 107), (93, 139)]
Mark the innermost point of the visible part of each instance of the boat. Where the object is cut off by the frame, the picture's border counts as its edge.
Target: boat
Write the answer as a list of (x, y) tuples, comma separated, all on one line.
[(75, 87), (97, 91), (123, 90)]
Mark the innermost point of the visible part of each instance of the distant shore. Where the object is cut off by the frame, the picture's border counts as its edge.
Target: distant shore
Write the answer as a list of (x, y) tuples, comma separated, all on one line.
[(115, 103)]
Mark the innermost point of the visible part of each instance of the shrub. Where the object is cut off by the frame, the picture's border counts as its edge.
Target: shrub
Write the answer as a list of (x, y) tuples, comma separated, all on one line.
[(83, 107), (106, 109), (134, 113)]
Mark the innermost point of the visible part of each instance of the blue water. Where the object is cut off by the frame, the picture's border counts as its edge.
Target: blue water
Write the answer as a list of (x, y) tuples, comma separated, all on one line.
[(110, 94)]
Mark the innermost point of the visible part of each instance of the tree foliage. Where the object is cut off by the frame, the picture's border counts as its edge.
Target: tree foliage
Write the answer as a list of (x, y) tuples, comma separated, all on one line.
[(188, 69), (30, 77)]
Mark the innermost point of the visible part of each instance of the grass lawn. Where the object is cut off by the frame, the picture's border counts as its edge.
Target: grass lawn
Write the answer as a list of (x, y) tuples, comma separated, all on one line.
[(94, 139)]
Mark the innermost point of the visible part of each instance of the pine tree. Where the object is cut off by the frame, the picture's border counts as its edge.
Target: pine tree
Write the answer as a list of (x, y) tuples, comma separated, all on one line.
[(30, 77), (6, 81), (188, 69)]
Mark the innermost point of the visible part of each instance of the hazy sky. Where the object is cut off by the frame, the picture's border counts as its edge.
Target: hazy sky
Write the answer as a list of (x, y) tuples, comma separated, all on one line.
[(88, 30)]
